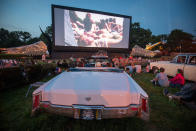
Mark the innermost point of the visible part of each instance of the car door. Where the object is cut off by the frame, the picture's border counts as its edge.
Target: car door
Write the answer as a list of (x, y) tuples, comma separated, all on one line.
[(179, 63), (190, 68)]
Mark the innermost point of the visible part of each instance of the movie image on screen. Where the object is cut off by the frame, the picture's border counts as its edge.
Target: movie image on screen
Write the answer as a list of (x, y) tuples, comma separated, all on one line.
[(87, 29)]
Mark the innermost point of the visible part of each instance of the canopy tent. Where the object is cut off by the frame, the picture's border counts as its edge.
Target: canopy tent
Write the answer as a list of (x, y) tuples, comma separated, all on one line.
[(36, 49), (139, 51)]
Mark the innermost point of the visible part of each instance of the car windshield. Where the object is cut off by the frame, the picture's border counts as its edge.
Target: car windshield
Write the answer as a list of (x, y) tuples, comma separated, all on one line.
[(98, 60), (95, 70), (174, 59)]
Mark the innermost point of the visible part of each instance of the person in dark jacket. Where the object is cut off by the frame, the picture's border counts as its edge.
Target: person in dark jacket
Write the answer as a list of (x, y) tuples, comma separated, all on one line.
[(186, 94)]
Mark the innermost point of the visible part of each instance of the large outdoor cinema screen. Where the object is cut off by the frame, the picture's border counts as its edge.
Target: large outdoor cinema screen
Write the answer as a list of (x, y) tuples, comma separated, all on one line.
[(74, 27)]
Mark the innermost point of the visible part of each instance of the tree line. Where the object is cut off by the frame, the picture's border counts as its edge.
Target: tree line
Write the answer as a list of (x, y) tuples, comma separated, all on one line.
[(20, 38), (176, 41)]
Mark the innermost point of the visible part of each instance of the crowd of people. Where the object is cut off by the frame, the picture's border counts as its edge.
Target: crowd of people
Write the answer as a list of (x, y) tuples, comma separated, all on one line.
[(7, 63), (133, 64), (4, 63), (162, 80), (187, 93)]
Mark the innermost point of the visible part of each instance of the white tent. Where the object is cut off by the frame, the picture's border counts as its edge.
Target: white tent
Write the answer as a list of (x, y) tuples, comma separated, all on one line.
[(139, 51), (38, 48)]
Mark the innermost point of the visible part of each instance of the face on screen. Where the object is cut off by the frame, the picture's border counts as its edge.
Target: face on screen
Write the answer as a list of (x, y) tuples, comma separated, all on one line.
[(84, 29)]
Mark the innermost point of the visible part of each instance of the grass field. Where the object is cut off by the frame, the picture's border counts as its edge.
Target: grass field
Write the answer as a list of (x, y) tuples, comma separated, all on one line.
[(15, 114)]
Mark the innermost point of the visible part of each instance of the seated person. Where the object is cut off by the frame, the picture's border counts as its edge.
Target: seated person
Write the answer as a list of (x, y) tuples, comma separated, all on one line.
[(178, 80), (148, 68), (130, 68), (154, 70), (186, 94), (127, 71), (110, 64), (161, 79), (138, 68), (98, 64)]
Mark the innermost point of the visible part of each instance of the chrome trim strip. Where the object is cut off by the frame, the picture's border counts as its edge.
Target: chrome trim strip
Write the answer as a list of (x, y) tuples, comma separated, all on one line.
[(87, 107), (53, 105), (90, 106)]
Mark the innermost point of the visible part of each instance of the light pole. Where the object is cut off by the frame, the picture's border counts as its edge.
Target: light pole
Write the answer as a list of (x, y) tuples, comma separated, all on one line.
[(180, 46)]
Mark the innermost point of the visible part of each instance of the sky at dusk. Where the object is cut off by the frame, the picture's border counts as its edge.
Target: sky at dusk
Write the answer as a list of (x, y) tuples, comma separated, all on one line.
[(160, 16)]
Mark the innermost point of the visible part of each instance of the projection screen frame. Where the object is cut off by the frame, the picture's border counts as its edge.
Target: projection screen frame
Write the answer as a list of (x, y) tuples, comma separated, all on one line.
[(85, 49)]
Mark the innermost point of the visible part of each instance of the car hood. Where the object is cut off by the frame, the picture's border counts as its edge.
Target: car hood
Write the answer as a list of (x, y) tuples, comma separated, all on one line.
[(92, 88), (161, 62)]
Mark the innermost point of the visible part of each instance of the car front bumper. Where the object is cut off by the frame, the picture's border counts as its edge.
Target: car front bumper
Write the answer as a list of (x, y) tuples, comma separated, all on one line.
[(90, 112)]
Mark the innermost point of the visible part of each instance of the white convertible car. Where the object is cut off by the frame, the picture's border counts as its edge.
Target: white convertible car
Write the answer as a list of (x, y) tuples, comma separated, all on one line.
[(92, 93)]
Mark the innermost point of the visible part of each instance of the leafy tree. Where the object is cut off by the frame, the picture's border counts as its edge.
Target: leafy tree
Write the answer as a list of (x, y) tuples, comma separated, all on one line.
[(46, 37), (15, 38), (10, 39), (4, 36), (139, 35), (24, 36), (162, 37), (179, 41), (33, 40)]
